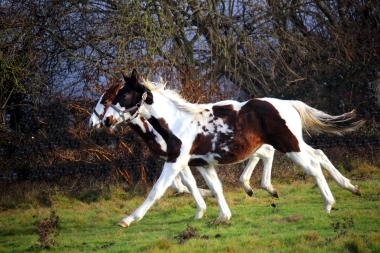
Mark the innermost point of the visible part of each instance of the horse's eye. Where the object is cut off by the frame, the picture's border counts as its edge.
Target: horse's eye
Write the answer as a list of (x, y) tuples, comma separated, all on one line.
[(105, 101)]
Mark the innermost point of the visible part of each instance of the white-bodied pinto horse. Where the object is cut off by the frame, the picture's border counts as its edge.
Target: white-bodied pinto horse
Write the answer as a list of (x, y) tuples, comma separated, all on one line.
[(157, 147), (153, 140), (228, 132)]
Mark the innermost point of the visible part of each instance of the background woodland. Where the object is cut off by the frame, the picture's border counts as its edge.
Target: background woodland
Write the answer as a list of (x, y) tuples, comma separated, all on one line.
[(58, 57)]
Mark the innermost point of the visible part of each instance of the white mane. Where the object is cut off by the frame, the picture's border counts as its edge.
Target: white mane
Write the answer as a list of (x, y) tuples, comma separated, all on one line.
[(173, 96)]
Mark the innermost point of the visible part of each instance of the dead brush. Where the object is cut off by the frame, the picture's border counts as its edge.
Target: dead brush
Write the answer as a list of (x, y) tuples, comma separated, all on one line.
[(48, 227)]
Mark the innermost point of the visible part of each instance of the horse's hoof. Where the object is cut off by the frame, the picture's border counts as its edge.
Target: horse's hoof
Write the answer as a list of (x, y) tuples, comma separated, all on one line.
[(224, 218), (328, 208), (275, 194), (249, 192), (358, 192), (122, 224), (200, 214)]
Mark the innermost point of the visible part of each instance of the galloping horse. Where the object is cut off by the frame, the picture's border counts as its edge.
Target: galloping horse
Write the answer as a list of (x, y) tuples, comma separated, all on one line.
[(157, 147), (153, 140), (228, 132)]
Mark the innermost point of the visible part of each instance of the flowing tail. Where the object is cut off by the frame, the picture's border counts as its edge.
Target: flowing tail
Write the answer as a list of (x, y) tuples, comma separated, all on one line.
[(318, 121)]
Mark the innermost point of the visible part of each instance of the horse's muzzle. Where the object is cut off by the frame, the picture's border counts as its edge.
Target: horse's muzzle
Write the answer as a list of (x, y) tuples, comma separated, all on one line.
[(108, 121)]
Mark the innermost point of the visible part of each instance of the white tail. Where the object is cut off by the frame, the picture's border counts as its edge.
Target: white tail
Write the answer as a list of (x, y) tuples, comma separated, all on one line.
[(318, 121)]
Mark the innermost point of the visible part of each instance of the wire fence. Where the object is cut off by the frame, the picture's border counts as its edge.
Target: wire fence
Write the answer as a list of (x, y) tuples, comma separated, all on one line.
[(56, 144)]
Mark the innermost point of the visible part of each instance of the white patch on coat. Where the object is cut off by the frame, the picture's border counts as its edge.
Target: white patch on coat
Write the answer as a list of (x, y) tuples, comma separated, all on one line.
[(99, 108), (289, 114)]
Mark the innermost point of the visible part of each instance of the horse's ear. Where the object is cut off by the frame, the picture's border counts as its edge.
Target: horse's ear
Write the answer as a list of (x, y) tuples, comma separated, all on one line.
[(134, 76), (118, 86), (126, 78)]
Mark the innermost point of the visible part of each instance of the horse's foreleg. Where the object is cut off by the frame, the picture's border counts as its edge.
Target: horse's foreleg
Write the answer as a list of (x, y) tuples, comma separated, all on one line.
[(213, 182), (167, 176), (189, 180)]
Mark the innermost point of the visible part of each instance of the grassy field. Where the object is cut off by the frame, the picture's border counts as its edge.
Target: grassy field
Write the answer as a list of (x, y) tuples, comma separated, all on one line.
[(294, 223)]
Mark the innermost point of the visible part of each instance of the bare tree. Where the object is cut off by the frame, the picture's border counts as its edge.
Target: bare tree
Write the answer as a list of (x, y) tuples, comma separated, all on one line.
[(201, 47)]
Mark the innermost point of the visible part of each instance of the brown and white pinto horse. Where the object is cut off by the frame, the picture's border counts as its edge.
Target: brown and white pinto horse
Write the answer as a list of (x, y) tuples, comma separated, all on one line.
[(157, 147), (154, 143), (228, 132)]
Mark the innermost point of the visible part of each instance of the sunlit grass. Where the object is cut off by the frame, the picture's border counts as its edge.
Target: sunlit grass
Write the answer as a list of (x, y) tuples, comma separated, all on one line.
[(297, 223)]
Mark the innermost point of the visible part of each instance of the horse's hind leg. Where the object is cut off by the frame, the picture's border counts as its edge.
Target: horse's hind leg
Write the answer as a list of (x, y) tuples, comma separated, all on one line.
[(266, 153), (312, 167), (179, 187), (247, 173), (333, 172), (213, 182)]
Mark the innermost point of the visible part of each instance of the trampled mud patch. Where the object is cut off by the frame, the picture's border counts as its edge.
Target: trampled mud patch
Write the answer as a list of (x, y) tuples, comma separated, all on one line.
[(189, 233), (105, 246)]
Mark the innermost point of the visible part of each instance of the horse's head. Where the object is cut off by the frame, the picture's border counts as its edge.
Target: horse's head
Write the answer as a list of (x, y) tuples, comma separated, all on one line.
[(96, 119), (126, 103)]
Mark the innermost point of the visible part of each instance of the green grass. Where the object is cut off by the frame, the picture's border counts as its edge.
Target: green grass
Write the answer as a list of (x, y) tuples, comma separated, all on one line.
[(296, 224)]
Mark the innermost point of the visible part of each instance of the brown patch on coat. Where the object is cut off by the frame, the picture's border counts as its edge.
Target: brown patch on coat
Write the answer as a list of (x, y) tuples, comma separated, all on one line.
[(110, 121), (148, 137), (202, 144), (275, 130), (225, 112), (198, 162), (243, 141), (173, 142), (109, 95)]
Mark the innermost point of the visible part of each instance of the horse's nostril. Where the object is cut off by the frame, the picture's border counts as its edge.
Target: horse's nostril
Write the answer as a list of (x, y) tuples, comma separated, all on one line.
[(107, 122)]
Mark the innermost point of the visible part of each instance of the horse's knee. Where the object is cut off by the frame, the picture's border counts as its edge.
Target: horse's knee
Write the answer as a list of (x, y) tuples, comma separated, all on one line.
[(243, 179)]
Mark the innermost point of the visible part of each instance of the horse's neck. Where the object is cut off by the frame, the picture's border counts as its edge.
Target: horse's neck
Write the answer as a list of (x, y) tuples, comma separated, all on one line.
[(149, 135), (99, 108), (163, 108)]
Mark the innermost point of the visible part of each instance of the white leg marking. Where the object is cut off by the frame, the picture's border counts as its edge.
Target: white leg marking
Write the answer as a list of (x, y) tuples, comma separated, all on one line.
[(213, 182), (247, 173), (312, 167), (178, 186), (167, 176), (266, 152), (333, 172), (189, 180)]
